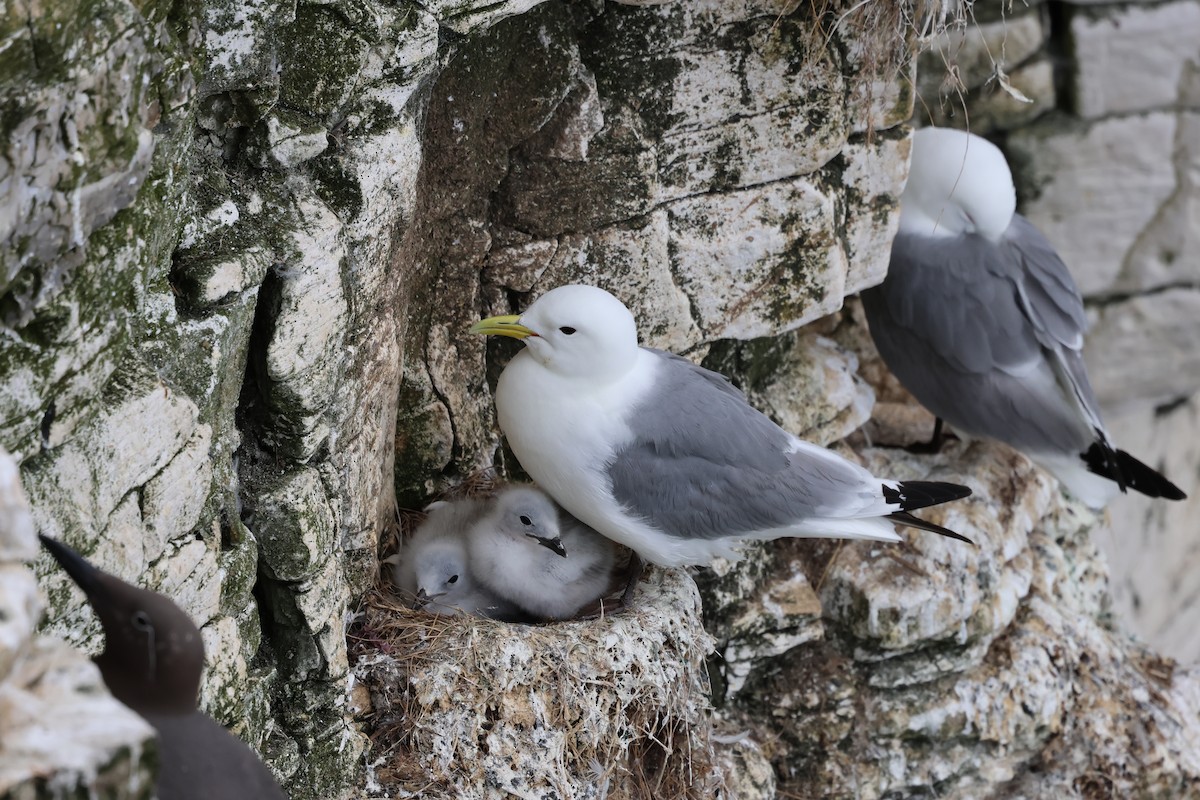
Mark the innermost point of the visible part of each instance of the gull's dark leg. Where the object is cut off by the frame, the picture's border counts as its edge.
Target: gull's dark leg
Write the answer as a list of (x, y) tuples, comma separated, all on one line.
[(935, 442), (602, 606), (636, 567)]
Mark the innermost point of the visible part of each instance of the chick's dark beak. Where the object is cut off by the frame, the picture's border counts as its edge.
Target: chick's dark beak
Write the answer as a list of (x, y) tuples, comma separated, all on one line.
[(555, 545)]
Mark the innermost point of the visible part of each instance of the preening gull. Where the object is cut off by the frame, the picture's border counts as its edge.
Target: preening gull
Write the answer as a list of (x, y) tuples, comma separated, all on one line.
[(433, 569), (666, 457), (979, 318), (527, 550)]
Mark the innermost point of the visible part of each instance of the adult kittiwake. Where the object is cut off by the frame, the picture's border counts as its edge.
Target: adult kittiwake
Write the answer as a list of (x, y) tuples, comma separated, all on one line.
[(527, 550), (979, 318), (666, 457)]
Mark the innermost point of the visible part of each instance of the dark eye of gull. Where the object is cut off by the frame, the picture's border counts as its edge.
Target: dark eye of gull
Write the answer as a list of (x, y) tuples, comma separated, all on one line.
[(453, 579), (141, 620), (567, 329), (526, 520)]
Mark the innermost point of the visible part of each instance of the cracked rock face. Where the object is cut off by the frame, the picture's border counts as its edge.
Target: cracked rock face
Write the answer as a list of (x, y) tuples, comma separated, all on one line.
[(244, 244), (721, 191)]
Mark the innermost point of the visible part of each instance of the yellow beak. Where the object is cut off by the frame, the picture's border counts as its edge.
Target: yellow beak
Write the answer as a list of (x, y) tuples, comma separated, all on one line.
[(507, 325)]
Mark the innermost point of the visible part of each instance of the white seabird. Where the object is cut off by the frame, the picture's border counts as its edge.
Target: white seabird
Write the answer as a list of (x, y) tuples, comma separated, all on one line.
[(433, 570), (979, 318), (527, 550), (666, 457)]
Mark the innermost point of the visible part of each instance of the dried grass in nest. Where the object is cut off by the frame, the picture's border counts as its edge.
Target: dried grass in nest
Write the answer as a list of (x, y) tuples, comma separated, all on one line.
[(884, 31), (469, 707)]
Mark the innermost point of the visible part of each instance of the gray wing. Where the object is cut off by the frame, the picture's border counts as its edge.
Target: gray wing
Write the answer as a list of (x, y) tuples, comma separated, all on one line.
[(704, 463), (1055, 308), (1050, 298), (987, 336)]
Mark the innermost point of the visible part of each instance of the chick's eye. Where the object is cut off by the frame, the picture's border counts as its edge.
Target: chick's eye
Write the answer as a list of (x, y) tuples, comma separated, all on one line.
[(567, 329), (140, 620), (526, 520), (453, 579)]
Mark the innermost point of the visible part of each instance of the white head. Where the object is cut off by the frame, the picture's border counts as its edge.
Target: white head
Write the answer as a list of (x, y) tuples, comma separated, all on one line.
[(574, 331), (526, 514), (442, 576), (957, 183)]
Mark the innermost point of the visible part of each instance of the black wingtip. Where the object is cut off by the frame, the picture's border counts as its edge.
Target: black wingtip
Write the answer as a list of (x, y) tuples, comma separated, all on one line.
[(1149, 482), (1129, 473), (1101, 459), (904, 518), (912, 495)]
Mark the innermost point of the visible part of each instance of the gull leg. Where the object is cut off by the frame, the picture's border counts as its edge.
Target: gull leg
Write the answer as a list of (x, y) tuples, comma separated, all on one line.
[(636, 568), (935, 442), (599, 608)]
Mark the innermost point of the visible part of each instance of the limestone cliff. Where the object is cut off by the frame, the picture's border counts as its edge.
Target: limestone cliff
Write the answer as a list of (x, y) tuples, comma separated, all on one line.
[(240, 244)]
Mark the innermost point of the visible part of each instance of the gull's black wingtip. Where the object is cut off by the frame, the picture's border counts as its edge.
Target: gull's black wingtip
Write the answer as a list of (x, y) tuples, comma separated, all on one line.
[(1129, 473), (911, 495), (904, 518), (1147, 480)]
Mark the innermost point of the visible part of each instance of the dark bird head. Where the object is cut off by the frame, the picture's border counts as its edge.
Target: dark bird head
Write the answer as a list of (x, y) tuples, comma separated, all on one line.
[(153, 654)]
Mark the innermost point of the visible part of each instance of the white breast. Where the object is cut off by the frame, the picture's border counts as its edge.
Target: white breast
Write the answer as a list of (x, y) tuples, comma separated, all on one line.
[(562, 430)]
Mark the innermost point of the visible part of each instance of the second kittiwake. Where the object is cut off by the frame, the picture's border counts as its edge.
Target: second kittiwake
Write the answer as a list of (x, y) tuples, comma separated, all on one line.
[(980, 319)]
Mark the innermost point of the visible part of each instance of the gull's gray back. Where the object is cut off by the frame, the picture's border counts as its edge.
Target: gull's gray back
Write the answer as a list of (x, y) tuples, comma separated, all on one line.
[(988, 336), (705, 464)]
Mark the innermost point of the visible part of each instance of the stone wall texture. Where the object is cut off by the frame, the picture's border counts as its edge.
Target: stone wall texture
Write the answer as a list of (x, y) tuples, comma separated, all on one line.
[(241, 243)]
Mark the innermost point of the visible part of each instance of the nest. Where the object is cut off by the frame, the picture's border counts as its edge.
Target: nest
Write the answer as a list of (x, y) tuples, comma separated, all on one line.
[(466, 707)]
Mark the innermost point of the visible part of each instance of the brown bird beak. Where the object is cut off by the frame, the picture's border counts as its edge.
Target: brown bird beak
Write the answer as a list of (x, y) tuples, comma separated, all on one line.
[(84, 574)]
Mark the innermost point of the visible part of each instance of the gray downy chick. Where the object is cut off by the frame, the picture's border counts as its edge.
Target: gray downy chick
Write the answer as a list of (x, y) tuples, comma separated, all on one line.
[(527, 549), (433, 570), (152, 660)]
